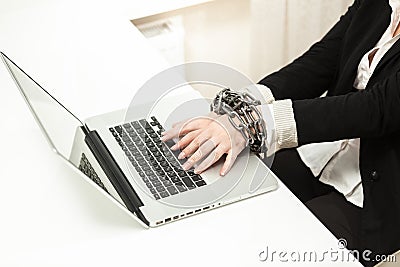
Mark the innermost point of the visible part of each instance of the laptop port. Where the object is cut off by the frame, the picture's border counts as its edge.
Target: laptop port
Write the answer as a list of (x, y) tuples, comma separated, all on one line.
[(167, 220), (158, 223), (189, 213), (176, 217), (206, 208), (197, 210)]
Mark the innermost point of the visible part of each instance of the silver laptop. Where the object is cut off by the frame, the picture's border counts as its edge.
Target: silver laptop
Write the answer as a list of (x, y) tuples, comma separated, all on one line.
[(127, 160)]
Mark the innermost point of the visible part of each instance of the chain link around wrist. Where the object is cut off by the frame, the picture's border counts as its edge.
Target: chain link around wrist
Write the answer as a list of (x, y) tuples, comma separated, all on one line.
[(242, 107)]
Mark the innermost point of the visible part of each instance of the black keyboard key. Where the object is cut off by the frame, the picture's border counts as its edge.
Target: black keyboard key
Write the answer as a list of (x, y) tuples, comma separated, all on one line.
[(164, 164), (188, 183), (164, 194), (160, 158), (172, 190), (167, 182), (115, 134), (160, 172), (156, 196), (142, 162), (200, 183), (169, 143), (145, 180), (171, 174), (130, 130), (135, 138), (150, 145), (182, 173), (118, 129), (181, 187), (149, 185), (153, 178), (140, 146), (156, 183), (136, 125), (153, 123), (129, 143), (149, 173), (157, 167), (153, 191), (146, 168), (167, 169), (160, 188), (176, 179), (196, 178), (112, 130), (141, 174)]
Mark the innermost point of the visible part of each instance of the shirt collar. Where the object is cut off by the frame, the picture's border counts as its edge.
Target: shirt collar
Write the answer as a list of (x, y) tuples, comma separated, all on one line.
[(394, 4)]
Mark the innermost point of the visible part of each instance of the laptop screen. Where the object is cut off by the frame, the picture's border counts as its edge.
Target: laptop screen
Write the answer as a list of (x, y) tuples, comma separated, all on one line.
[(58, 123)]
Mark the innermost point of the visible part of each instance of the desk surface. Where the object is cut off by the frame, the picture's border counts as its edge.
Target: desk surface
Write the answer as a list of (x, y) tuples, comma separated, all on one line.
[(93, 59)]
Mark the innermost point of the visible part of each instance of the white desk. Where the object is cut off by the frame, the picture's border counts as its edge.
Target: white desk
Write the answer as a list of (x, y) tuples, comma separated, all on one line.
[(92, 58)]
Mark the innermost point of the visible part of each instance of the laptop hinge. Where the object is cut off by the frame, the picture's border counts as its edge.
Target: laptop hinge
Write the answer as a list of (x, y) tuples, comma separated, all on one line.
[(114, 173)]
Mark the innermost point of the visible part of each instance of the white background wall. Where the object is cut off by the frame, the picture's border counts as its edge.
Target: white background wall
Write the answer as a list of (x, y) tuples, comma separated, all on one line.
[(253, 36)]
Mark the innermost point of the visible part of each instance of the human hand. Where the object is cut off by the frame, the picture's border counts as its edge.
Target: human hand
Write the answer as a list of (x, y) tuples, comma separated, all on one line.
[(206, 138)]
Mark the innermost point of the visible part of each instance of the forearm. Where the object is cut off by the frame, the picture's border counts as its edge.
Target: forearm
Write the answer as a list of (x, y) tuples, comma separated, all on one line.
[(370, 113)]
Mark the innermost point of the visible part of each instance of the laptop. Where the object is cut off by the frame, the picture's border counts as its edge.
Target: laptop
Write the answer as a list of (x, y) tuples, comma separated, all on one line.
[(127, 161)]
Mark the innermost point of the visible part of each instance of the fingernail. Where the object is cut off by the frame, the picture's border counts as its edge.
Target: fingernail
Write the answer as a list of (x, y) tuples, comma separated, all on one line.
[(174, 147), (181, 155), (163, 138), (196, 171), (185, 166), (163, 133)]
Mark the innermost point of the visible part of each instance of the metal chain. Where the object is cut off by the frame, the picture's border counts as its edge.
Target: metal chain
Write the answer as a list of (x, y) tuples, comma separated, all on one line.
[(242, 107)]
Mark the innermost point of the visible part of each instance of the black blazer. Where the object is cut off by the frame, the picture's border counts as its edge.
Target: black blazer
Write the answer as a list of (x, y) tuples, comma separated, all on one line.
[(373, 114)]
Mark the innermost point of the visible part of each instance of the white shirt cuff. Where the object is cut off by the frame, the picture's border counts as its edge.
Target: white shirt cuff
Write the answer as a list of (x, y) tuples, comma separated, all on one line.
[(280, 124)]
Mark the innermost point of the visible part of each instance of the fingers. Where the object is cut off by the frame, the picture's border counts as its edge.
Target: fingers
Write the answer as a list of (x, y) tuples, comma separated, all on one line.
[(200, 153), (182, 128), (213, 157), (194, 145), (187, 139), (230, 159)]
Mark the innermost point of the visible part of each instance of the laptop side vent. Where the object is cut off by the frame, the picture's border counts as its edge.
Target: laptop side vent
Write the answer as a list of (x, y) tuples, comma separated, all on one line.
[(86, 168), (177, 217)]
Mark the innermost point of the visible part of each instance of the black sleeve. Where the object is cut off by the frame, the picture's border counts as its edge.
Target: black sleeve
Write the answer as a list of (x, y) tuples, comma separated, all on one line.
[(310, 75), (373, 112)]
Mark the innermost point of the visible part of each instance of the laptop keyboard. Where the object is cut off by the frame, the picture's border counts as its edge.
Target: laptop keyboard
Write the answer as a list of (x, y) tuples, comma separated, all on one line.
[(156, 164)]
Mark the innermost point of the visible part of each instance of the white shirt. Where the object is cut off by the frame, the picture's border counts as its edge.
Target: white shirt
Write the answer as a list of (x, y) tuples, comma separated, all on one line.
[(338, 161)]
